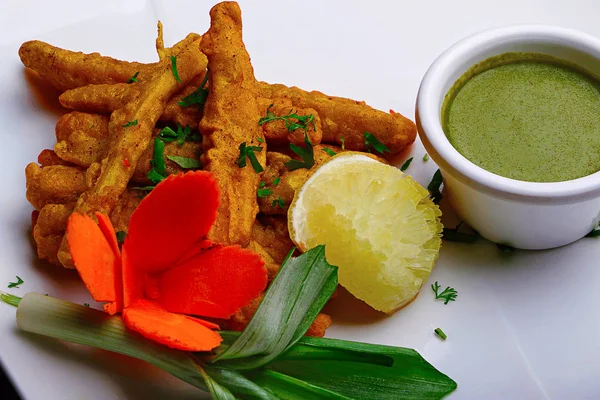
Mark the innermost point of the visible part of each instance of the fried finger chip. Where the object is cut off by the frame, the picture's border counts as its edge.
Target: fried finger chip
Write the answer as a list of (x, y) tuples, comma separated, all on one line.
[(49, 229), (231, 115), (58, 184), (276, 131), (84, 138)]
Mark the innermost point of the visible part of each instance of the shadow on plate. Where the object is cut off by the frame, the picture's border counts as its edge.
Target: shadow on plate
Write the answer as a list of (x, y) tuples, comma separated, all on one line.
[(45, 94), (345, 309)]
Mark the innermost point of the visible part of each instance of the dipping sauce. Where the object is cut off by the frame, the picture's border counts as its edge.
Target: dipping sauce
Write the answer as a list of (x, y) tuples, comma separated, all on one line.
[(526, 116)]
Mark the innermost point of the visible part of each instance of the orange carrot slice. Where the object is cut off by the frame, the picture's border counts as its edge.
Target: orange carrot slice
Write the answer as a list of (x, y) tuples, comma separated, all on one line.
[(133, 280), (215, 283), (176, 331), (94, 258), (177, 214), (109, 232)]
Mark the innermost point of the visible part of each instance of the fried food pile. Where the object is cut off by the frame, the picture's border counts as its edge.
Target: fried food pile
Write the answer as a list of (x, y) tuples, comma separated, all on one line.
[(199, 106)]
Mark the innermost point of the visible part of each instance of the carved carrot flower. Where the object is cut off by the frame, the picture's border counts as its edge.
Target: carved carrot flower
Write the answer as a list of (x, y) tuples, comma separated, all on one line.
[(167, 269)]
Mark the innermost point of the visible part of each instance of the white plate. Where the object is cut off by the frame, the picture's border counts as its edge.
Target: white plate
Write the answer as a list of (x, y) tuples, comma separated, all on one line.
[(525, 325)]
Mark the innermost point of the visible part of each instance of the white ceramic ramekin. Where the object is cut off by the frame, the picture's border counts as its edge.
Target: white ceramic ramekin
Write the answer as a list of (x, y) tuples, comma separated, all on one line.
[(520, 214)]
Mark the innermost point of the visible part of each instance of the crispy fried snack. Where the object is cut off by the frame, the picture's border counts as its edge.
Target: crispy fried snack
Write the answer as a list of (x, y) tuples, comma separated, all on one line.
[(131, 129), (82, 138), (48, 157), (110, 97), (276, 131), (66, 69), (348, 119), (49, 229), (57, 184), (271, 234), (187, 150), (231, 115)]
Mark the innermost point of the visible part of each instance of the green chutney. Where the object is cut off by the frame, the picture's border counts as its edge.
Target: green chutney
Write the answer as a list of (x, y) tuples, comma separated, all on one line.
[(526, 116)]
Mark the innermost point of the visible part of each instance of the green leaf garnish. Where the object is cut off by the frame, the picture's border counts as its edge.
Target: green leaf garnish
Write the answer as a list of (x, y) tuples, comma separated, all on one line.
[(371, 142), (302, 121), (440, 333), (15, 284), (133, 78), (276, 181), (278, 202), (217, 391), (426, 157), (198, 96), (183, 133), (11, 298), (262, 193), (158, 171), (186, 162), (260, 140), (594, 233), (434, 187), (329, 151), (248, 152), (174, 68), (121, 235), (306, 154), (130, 123), (449, 294), (405, 166)]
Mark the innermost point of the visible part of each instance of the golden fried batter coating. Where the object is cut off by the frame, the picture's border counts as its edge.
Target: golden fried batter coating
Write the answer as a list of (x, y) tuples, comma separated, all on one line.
[(348, 119), (53, 184), (187, 150), (79, 121), (84, 138), (131, 129), (125, 207), (271, 234), (276, 131), (231, 115), (65, 69), (48, 157), (49, 230)]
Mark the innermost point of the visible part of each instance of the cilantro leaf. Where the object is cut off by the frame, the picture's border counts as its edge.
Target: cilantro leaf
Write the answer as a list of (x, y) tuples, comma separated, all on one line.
[(198, 96), (260, 140), (434, 187), (306, 154), (405, 166), (133, 78), (15, 284), (276, 181), (121, 236), (169, 135), (158, 171), (248, 152), (262, 193), (278, 202), (371, 142), (174, 68), (130, 123), (329, 151), (302, 121), (185, 162)]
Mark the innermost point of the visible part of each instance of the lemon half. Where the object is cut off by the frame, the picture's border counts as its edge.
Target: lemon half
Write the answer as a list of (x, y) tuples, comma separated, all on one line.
[(377, 224)]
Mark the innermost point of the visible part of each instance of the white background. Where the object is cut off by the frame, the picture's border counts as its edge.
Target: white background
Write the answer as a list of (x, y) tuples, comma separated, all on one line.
[(525, 324)]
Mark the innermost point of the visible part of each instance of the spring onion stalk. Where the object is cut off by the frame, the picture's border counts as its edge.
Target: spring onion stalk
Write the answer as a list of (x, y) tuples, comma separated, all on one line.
[(217, 391), (293, 301), (10, 299)]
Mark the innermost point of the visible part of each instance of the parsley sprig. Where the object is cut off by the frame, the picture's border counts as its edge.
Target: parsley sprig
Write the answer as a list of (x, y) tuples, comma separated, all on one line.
[(449, 294), (301, 121), (15, 284), (247, 152), (174, 68), (130, 123), (198, 96), (133, 79), (372, 143), (182, 135), (307, 155)]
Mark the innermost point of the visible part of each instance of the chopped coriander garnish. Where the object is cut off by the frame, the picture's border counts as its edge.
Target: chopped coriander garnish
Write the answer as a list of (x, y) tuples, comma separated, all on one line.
[(342, 141), (133, 78), (248, 152), (306, 153), (329, 151), (198, 96), (183, 133), (276, 181), (434, 187), (440, 333), (371, 142), (121, 236), (426, 157), (86, 304), (15, 284), (278, 202), (260, 140), (449, 294), (174, 68), (264, 192), (186, 162), (130, 123), (158, 171), (302, 121), (504, 248), (405, 166), (262, 184)]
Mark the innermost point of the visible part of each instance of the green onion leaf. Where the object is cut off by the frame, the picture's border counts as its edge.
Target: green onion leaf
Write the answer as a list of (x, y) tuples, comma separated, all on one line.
[(15, 284), (186, 162), (440, 333), (302, 287), (10, 299), (130, 123), (405, 166), (217, 391), (434, 187), (238, 384), (133, 78), (174, 68), (372, 142)]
